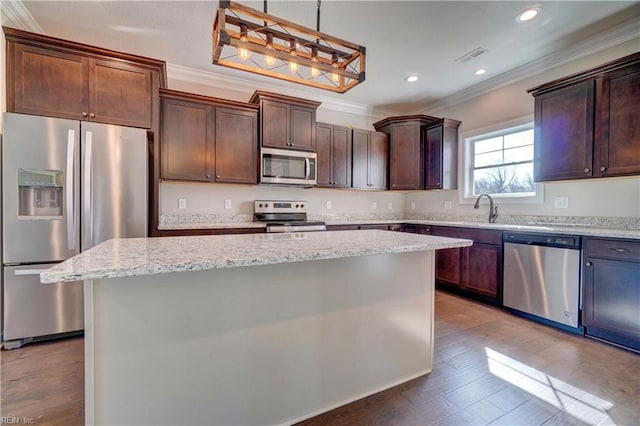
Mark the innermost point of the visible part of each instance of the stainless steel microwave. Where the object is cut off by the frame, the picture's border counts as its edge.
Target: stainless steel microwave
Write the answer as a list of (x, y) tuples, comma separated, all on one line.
[(287, 167)]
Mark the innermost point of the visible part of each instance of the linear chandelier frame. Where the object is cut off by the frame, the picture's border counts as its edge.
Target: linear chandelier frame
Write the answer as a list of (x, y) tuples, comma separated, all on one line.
[(250, 40)]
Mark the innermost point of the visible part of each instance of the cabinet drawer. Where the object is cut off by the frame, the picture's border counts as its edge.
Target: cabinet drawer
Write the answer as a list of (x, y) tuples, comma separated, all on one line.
[(612, 249), (486, 236)]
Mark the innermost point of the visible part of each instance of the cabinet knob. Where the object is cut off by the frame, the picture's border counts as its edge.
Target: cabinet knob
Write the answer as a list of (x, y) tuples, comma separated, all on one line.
[(437, 183), (587, 170), (588, 263), (84, 114), (208, 176), (217, 177), (603, 169), (92, 115), (292, 144)]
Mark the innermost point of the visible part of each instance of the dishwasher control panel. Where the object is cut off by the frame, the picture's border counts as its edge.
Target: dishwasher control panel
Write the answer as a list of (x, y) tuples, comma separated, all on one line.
[(565, 241)]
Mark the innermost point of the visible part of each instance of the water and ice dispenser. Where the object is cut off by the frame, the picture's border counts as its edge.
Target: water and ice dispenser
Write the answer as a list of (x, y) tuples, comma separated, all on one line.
[(40, 194)]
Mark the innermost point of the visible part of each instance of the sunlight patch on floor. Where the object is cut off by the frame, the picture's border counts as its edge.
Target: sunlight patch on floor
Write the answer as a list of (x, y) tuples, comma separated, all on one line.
[(581, 405)]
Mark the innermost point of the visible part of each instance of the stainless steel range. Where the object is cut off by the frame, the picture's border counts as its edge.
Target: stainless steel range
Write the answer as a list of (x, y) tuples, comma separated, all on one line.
[(285, 216)]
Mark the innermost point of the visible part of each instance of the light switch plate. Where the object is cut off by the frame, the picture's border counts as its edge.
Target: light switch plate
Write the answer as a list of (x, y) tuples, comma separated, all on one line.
[(374, 205), (390, 205), (448, 205), (182, 203), (561, 202), (413, 205), (329, 205), (227, 204)]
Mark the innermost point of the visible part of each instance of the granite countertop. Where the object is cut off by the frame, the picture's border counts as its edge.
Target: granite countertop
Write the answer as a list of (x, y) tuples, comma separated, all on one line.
[(542, 228), (146, 256)]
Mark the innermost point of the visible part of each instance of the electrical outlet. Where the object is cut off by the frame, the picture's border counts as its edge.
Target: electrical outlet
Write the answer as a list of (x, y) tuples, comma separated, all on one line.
[(227, 204), (561, 202), (374, 205), (448, 205), (329, 205), (413, 205), (182, 203), (390, 205)]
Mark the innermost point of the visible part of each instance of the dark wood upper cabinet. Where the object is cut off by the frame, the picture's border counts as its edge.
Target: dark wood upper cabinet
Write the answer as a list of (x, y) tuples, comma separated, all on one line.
[(370, 158), (286, 122), (586, 124), (441, 154), (208, 139), (333, 146), (58, 78), (421, 154)]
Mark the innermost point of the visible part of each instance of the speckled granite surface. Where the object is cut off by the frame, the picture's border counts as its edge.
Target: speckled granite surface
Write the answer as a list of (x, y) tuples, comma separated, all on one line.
[(146, 256)]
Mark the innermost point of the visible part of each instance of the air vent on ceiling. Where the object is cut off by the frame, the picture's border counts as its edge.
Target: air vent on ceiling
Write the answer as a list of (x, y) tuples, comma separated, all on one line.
[(471, 55)]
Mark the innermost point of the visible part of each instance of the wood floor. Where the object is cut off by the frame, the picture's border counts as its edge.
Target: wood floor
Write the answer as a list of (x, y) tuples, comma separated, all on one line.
[(490, 368)]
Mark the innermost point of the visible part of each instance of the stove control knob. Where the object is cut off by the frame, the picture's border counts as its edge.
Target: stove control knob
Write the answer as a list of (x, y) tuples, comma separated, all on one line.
[(301, 205), (297, 206)]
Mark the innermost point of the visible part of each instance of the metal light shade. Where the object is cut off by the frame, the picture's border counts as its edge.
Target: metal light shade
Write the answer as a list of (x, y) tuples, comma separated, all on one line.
[(254, 41)]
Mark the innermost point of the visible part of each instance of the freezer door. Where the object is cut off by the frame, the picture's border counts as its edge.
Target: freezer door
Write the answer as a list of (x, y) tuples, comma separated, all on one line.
[(114, 183), (32, 309), (40, 188)]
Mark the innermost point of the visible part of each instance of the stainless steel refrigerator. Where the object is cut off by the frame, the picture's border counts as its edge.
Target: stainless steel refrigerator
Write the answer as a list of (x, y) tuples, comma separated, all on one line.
[(66, 186)]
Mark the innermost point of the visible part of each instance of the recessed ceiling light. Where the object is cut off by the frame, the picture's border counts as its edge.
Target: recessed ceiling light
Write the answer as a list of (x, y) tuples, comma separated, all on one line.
[(480, 71), (528, 14), (412, 78)]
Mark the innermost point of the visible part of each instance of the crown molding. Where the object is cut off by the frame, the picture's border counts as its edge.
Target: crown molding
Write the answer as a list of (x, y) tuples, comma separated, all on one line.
[(17, 16), (213, 79), (620, 34)]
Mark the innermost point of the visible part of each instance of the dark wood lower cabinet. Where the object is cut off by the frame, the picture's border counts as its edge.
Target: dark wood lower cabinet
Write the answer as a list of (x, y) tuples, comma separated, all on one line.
[(474, 271), (611, 291)]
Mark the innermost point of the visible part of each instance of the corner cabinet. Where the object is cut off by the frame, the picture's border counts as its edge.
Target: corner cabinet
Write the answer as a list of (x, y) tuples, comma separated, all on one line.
[(370, 159), (58, 78), (286, 122), (586, 125), (208, 139), (417, 145), (611, 290), (333, 147)]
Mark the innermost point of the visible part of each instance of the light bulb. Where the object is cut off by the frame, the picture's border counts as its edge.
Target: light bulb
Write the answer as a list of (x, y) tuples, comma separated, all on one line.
[(243, 52), (268, 59), (314, 58), (293, 66), (335, 77), (334, 63)]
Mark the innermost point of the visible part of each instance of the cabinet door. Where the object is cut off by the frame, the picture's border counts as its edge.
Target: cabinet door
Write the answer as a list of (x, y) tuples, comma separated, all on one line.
[(341, 157), (482, 269), (275, 124), (618, 146), (236, 146), (433, 157), (360, 170), (303, 128), (563, 147), (120, 94), (612, 298), (405, 156), (186, 143), (323, 151), (449, 266), (47, 82), (378, 154)]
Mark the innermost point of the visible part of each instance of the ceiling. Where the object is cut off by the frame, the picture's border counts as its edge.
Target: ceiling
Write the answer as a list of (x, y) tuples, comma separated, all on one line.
[(401, 37)]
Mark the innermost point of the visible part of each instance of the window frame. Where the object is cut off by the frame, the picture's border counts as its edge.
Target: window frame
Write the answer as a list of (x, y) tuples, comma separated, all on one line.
[(465, 194)]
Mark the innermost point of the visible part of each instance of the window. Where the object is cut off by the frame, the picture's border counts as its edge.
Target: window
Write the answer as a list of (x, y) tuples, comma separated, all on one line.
[(499, 162)]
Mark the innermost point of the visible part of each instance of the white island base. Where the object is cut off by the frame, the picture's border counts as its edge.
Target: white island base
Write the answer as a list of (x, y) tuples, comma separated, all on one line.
[(255, 345)]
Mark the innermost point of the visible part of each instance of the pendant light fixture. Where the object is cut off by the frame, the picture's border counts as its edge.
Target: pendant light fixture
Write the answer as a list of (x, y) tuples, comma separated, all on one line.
[(254, 41)]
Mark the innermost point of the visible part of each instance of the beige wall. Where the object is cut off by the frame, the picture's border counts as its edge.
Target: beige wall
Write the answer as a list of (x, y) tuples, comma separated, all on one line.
[(615, 197)]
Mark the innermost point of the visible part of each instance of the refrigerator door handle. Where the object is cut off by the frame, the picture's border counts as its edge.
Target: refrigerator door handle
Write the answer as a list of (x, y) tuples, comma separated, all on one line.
[(86, 184), (19, 272), (71, 217)]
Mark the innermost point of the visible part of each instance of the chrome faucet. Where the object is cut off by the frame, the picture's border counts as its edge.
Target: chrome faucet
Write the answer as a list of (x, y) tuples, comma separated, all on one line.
[(493, 211)]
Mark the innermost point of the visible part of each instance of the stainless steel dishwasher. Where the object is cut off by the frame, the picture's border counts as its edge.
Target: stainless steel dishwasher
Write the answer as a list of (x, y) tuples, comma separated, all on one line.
[(541, 276)]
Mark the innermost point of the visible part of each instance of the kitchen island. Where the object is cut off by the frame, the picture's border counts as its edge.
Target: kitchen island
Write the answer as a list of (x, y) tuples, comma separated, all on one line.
[(251, 329)]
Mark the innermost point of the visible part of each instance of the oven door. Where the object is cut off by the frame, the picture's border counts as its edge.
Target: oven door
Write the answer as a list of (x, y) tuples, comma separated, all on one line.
[(281, 166)]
